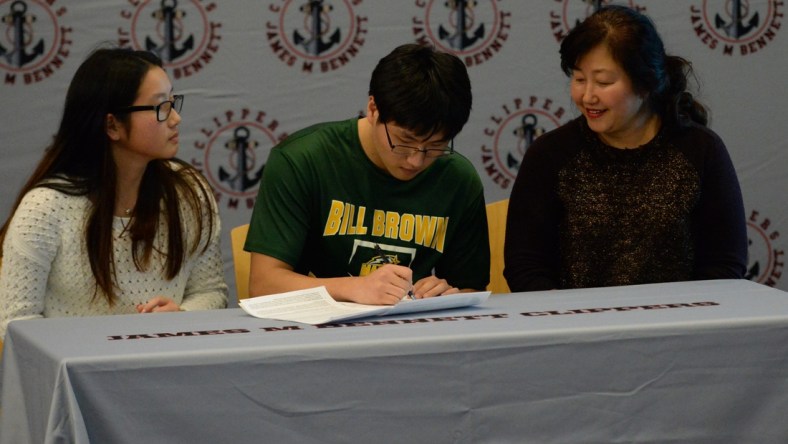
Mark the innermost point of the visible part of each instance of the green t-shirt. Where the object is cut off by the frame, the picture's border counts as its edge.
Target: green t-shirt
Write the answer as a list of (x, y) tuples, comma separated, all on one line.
[(323, 206)]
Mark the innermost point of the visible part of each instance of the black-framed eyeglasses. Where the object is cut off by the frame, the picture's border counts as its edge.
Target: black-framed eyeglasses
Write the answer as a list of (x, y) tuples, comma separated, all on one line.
[(407, 150), (162, 109)]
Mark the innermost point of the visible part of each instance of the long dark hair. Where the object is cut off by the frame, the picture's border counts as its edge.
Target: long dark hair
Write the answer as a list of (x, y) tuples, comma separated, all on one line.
[(635, 44), (79, 162)]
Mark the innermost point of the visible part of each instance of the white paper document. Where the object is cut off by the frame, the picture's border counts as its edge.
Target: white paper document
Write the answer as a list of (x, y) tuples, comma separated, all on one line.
[(315, 306)]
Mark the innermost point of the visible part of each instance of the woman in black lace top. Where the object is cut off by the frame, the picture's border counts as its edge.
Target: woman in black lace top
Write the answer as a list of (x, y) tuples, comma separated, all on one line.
[(635, 190)]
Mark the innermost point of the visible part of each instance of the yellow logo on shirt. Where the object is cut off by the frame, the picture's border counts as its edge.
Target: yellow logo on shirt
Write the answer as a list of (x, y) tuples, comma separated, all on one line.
[(347, 219), (377, 262)]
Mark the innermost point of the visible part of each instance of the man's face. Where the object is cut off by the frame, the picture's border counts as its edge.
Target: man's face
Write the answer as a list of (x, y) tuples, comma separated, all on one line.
[(409, 155)]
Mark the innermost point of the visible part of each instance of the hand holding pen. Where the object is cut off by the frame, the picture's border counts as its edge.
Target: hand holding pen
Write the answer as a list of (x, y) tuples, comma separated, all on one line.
[(387, 260)]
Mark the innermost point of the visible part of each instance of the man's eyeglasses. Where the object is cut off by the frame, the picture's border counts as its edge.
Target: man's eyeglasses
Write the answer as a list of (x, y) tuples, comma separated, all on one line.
[(162, 109), (407, 150)]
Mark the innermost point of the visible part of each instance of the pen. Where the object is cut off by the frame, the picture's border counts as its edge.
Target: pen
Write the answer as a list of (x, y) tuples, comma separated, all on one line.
[(387, 260)]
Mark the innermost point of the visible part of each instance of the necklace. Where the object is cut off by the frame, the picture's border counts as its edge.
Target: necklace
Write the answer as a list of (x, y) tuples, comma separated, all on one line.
[(125, 222)]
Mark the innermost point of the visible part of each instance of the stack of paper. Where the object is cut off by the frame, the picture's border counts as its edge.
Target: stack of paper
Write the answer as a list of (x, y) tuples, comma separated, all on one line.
[(315, 306)]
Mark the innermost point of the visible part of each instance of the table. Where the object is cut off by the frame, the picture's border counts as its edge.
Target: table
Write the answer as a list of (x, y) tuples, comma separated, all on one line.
[(681, 362)]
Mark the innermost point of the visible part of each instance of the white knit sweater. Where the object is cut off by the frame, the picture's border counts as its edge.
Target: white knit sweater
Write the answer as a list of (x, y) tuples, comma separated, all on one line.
[(45, 270)]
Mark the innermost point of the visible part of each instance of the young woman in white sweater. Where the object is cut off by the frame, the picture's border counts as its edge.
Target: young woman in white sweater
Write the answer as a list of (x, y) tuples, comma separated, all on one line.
[(110, 222)]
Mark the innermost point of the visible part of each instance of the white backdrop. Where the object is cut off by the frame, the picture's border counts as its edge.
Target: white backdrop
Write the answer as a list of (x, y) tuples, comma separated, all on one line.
[(254, 71)]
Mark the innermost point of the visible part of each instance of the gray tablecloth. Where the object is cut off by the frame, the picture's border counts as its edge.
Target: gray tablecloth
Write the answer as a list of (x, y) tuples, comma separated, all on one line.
[(681, 362)]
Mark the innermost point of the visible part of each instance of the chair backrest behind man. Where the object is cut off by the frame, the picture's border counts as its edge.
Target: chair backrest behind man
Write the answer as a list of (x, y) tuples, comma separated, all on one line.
[(496, 224), (241, 260)]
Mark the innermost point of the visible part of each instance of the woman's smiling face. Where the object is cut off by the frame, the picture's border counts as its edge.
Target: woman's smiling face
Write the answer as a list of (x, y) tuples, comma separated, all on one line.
[(603, 92)]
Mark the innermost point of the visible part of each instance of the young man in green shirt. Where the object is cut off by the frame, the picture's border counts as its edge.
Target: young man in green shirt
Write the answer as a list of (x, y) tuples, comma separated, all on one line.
[(377, 207)]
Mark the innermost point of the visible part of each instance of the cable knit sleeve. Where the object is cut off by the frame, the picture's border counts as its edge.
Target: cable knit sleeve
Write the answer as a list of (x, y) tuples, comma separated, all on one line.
[(205, 285), (30, 245)]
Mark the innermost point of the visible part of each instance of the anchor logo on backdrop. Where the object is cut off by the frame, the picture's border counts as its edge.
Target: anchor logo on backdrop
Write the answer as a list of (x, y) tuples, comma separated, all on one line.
[(33, 43), (315, 39), (233, 153), (179, 32), (461, 34), (741, 27), (766, 257), (511, 132), (571, 12), (473, 30), (316, 35), (735, 27), (170, 32), (525, 134), (19, 23), (242, 161)]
